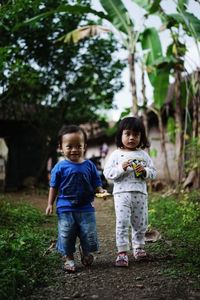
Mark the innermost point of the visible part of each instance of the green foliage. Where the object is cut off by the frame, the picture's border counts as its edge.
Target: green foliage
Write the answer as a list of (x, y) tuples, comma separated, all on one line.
[(125, 113), (150, 6), (118, 15), (161, 83), (171, 129), (190, 23), (51, 78), (151, 41), (23, 240), (153, 152), (47, 83), (177, 218), (192, 152), (157, 66)]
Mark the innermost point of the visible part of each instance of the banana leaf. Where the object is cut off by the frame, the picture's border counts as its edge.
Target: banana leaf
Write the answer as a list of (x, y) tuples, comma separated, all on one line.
[(118, 15), (161, 84), (150, 41), (150, 6), (190, 23)]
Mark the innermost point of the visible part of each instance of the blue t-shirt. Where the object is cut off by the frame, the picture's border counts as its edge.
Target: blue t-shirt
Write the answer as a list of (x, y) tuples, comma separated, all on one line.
[(76, 184)]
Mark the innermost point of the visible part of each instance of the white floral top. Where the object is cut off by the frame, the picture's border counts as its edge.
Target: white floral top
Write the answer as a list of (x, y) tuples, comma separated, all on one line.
[(127, 181)]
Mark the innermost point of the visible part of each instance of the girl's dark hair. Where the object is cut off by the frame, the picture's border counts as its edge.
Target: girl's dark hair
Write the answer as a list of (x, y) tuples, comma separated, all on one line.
[(135, 124), (70, 129)]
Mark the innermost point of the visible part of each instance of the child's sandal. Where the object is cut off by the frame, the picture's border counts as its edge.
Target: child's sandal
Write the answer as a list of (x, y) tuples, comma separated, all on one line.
[(139, 253), (69, 266), (86, 260), (122, 260)]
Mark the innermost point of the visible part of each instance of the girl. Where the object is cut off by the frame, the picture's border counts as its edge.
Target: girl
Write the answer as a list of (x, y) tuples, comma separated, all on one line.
[(129, 167), (73, 183)]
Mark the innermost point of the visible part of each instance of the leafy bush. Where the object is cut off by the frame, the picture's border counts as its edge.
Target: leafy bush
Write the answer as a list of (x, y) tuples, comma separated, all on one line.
[(177, 217), (23, 240)]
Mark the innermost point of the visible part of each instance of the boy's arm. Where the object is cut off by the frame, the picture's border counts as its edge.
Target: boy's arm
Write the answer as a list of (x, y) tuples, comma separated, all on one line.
[(99, 189), (51, 199)]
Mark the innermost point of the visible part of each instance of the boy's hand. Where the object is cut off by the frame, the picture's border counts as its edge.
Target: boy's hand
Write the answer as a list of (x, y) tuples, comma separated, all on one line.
[(49, 209), (102, 194)]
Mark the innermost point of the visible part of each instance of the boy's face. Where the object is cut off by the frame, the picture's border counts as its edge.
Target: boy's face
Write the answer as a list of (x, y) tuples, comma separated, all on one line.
[(73, 146)]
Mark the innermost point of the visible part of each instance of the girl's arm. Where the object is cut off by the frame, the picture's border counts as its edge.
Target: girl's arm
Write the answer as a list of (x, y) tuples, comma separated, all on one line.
[(150, 169), (51, 198), (113, 170)]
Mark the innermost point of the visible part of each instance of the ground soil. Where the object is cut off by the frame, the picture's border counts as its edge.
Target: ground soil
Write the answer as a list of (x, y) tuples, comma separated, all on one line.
[(140, 281)]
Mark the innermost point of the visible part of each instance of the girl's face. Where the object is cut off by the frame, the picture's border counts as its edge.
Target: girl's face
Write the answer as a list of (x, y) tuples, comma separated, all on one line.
[(73, 146), (130, 139)]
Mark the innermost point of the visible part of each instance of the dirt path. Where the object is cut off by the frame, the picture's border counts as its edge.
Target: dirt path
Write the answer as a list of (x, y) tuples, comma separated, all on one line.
[(141, 281)]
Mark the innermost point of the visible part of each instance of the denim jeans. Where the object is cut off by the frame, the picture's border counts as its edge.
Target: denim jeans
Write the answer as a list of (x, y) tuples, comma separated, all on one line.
[(77, 224)]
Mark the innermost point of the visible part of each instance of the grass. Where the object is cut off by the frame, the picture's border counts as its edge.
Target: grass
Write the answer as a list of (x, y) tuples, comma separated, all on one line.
[(23, 240), (177, 217)]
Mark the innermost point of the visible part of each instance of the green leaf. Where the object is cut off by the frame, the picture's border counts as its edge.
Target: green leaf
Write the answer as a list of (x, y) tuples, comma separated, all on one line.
[(150, 6), (191, 24), (143, 3), (154, 7), (70, 9), (125, 113), (161, 84), (171, 129), (150, 40), (153, 152), (166, 62), (118, 15), (182, 4)]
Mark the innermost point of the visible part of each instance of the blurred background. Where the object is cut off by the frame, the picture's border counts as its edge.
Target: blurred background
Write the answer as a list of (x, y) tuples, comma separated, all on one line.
[(92, 63)]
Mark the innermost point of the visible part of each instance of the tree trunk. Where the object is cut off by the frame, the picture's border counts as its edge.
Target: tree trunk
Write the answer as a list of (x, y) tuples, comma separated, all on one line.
[(131, 62), (163, 147), (179, 128), (196, 107), (196, 123), (145, 117)]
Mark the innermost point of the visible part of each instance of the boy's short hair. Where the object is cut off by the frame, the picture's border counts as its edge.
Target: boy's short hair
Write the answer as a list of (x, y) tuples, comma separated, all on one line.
[(70, 129), (135, 124)]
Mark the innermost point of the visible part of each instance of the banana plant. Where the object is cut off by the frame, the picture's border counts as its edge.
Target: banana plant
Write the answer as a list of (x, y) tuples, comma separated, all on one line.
[(157, 68), (191, 26), (175, 65)]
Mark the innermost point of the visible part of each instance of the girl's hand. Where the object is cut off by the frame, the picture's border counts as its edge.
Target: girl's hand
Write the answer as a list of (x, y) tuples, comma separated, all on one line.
[(140, 169), (125, 165)]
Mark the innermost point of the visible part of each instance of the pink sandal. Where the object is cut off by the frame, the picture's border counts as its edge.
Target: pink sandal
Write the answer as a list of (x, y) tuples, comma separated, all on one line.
[(122, 260), (139, 253)]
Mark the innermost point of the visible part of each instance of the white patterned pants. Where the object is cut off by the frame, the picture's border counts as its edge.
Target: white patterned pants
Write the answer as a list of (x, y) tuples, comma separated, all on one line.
[(131, 210)]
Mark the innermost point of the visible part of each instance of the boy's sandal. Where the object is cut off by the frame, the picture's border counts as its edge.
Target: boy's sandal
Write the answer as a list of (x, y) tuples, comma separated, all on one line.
[(139, 253), (69, 266), (122, 260), (86, 260)]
